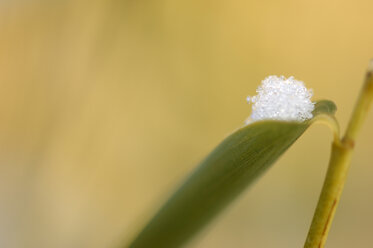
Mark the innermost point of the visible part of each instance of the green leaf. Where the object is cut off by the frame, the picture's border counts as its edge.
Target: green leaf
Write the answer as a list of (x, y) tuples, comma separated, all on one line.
[(221, 177)]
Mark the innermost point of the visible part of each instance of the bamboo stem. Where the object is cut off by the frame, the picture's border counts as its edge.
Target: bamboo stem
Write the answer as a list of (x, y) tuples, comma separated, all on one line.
[(338, 168)]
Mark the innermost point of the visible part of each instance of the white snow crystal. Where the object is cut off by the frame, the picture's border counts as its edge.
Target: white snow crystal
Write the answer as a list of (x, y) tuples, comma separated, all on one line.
[(280, 98)]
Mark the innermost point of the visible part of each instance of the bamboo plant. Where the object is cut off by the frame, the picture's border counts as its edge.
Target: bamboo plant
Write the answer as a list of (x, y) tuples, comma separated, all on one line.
[(282, 112)]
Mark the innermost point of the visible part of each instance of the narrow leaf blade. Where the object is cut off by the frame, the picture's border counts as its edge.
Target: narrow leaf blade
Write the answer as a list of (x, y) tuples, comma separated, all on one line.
[(221, 177)]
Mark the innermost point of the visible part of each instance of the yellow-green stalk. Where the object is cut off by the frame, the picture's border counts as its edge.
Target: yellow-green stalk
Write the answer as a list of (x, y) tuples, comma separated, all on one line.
[(338, 168)]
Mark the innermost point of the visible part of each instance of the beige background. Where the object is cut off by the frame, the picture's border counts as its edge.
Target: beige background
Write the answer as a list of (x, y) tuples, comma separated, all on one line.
[(106, 105)]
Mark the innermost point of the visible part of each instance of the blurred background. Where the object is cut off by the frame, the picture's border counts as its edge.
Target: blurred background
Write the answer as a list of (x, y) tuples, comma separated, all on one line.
[(106, 105)]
